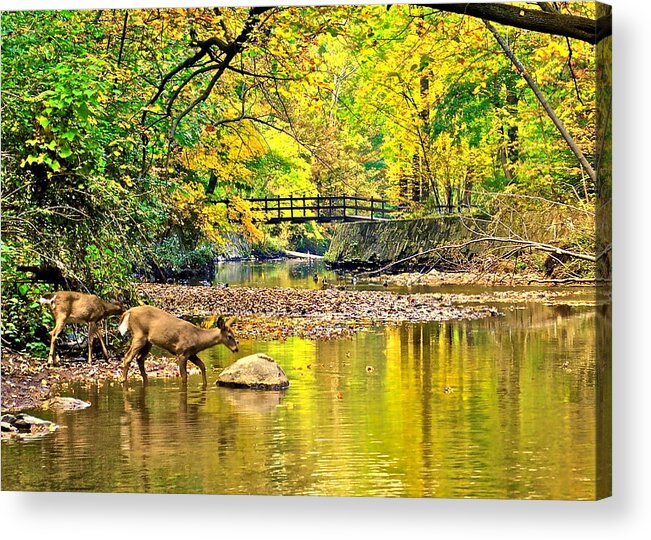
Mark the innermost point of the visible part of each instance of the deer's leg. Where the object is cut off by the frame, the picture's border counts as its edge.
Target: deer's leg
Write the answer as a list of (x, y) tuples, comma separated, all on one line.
[(199, 363), (92, 328), (60, 323), (183, 368), (135, 347), (140, 358), (98, 333)]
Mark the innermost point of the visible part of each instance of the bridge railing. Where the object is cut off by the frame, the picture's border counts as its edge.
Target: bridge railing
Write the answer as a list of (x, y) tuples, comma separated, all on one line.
[(333, 208), (322, 208)]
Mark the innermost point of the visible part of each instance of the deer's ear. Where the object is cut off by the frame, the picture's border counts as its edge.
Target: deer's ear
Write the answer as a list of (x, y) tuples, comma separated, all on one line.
[(220, 323), (230, 322)]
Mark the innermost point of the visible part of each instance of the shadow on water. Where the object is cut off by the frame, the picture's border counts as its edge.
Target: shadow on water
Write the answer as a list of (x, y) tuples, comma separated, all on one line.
[(502, 407)]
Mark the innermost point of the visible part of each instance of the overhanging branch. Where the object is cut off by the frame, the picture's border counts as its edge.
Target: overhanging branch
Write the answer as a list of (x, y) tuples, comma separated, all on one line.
[(547, 22)]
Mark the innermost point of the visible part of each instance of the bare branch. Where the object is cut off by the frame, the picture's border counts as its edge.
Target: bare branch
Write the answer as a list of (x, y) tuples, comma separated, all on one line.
[(533, 245), (260, 75), (230, 51), (569, 65), (179, 89)]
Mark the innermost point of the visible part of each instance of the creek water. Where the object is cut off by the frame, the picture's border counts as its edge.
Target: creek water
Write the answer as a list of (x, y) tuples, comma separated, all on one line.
[(502, 407)]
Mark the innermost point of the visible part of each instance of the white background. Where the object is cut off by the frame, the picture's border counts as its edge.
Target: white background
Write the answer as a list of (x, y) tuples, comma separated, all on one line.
[(625, 515)]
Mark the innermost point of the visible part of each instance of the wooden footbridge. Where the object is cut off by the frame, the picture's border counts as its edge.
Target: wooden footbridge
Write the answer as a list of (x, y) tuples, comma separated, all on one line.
[(321, 208)]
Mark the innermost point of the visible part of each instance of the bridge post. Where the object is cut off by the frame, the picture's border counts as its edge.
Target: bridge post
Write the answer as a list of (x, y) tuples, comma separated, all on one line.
[(318, 215), (371, 208), (291, 205), (304, 205), (344, 206), (278, 206)]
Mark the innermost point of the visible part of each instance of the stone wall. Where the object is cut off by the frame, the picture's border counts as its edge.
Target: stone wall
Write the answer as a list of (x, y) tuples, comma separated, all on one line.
[(372, 244)]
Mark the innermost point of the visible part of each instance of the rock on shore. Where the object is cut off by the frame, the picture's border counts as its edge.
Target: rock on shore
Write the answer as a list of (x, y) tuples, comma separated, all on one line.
[(24, 425)]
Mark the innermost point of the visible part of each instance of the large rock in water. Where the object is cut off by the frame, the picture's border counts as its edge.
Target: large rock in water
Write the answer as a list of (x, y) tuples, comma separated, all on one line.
[(257, 371)]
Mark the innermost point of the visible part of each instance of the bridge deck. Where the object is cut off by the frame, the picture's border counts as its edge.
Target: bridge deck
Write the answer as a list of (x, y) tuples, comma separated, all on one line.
[(325, 209), (321, 219), (321, 209)]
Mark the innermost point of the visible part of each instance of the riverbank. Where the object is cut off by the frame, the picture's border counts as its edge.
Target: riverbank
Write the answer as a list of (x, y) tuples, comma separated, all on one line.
[(28, 382), (508, 278), (344, 304), (330, 306)]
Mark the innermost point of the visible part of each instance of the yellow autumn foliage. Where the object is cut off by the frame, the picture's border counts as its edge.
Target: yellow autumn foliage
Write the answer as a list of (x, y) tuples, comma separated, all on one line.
[(192, 207)]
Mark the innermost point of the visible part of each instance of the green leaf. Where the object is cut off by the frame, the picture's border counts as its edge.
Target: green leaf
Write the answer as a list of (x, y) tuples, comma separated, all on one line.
[(82, 111), (35, 159), (53, 164), (69, 135), (65, 152)]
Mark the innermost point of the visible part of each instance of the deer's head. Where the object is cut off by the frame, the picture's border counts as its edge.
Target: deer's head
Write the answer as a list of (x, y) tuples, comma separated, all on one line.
[(117, 308), (227, 336)]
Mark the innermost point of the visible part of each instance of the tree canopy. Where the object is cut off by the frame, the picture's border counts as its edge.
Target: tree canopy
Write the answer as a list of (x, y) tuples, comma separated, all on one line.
[(121, 128)]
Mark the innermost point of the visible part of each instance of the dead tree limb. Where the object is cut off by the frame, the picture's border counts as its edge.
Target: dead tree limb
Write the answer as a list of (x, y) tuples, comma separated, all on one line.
[(498, 239)]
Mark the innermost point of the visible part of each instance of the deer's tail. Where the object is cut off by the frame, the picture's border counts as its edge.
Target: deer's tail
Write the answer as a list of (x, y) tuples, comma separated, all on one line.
[(124, 323)]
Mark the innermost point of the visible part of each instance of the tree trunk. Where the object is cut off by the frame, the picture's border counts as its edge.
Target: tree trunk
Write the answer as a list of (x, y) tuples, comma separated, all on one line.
[(603, 151), (603, 327), (513, 146), (212, 183)]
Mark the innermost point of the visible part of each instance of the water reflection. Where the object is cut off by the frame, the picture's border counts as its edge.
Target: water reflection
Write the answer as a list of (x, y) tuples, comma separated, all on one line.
[(503, 407), (297, 273), (253, 401)]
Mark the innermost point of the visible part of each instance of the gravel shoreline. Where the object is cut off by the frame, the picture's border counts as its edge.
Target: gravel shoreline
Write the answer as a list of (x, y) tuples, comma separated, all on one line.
[(327, 305)]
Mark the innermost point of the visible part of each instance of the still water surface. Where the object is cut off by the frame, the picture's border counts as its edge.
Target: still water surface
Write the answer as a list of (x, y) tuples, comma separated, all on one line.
[(502, 407)]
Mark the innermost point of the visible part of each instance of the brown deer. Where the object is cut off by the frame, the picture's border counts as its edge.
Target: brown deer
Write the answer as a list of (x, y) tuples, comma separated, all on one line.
[(152, 326), (70, 307)]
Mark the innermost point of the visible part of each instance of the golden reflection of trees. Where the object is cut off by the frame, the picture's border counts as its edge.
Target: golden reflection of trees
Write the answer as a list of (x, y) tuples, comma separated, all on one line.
[(518, 418), (604, 395)]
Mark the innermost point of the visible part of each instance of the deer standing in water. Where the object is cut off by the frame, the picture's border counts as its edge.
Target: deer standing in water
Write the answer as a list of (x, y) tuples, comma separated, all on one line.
[(152, 326), (70, 307)]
